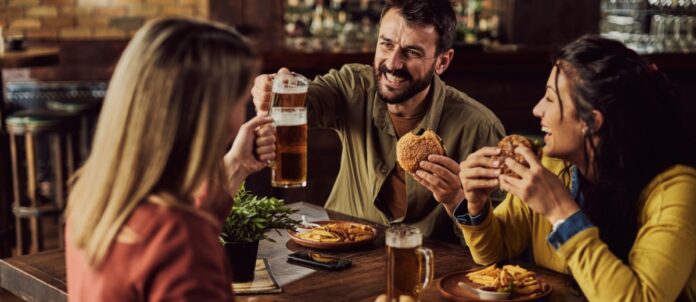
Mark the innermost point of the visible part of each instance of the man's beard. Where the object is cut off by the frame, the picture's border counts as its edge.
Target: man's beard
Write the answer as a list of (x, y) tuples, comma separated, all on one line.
[(413, 89)]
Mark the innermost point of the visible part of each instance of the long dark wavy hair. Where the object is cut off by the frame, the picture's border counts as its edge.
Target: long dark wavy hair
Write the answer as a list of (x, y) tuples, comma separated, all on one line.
[(643, 132)]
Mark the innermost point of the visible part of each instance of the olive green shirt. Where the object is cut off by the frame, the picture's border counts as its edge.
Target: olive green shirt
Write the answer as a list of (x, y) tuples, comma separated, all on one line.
[(346, 101)]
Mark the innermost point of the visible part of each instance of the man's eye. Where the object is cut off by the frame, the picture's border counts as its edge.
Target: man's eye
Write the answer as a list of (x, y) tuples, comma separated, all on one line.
[(413, 54)]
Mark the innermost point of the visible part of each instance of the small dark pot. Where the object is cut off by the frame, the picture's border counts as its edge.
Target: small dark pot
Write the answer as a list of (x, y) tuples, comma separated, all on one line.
[(242, 256)]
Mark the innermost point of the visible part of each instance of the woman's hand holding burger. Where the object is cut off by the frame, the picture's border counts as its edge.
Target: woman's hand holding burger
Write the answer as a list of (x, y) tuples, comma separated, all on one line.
[(515, 168), (542, 190), (479, 176)]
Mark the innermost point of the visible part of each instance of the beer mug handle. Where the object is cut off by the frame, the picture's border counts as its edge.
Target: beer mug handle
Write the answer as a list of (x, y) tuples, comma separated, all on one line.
[(426, 255)]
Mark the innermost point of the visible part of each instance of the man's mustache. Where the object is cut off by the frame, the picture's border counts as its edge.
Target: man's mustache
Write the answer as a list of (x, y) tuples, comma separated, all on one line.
[(402, 73)]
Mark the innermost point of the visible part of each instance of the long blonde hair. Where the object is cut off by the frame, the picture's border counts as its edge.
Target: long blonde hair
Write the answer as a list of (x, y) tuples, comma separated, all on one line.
[(163, 126)]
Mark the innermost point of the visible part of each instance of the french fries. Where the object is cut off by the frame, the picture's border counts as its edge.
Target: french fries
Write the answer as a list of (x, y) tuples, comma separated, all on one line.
[(519, 281), (334, 232)]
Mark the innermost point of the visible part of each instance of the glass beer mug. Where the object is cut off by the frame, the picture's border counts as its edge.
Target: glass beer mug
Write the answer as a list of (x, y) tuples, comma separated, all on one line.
[(410, 267), (289, 113)]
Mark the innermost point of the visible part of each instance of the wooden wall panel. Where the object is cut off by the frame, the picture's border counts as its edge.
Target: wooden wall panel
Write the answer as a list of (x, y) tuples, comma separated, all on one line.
[(227, 11), (263, 17), (550, 21)]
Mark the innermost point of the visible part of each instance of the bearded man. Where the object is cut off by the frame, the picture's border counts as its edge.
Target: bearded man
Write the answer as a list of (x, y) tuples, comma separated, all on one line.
[(371, 107)]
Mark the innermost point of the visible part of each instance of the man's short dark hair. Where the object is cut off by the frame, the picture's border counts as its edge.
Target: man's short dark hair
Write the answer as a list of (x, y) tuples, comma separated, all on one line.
[(438, 13)]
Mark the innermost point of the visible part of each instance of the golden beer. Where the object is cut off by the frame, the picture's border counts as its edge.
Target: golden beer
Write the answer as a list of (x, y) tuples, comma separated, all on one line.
[(410, 268), (290, 118)]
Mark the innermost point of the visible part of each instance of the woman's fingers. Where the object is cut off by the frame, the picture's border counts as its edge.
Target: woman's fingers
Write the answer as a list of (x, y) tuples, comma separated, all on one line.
[(256, 122), (516, 167), (265, 149), (474, 173), (528, 156), (482, 158), (488, 151), (511, 184), (265, 140), (481, 184)]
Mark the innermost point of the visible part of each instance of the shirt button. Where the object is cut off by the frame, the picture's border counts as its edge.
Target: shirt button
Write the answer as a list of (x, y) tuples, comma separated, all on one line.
[(383, 170)]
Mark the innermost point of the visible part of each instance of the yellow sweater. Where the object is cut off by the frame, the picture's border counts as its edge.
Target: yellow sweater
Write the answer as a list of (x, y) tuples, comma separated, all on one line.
[(662, 261)]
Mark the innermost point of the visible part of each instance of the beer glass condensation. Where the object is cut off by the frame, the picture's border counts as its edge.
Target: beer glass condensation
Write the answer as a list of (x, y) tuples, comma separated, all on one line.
[(289, 113), (410, 267)]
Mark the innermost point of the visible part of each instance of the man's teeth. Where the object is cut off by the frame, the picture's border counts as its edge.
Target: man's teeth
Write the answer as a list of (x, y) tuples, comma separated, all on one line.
[(393, 78), (546, 130)]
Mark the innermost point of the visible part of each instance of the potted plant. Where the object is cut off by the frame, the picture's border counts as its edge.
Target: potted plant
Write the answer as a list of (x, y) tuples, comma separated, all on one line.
[(246, 224)]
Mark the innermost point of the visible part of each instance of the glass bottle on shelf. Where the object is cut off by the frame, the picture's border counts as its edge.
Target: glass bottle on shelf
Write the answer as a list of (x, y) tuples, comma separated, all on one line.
[(473, 19)]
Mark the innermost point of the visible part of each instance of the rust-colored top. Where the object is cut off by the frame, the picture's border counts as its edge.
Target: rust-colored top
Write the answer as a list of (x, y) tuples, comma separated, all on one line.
[(393, 192), (162, 254)]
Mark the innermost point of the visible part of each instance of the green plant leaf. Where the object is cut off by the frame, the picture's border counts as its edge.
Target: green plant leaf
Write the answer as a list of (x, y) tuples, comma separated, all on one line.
[(252, 216)]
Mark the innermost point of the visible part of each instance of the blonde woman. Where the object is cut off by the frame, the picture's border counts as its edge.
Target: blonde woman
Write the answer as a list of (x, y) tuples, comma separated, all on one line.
[(176, 99)]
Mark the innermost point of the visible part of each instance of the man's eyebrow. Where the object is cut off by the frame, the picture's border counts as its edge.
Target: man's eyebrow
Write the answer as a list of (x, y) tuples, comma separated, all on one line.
[(416, 48), (410, 47)]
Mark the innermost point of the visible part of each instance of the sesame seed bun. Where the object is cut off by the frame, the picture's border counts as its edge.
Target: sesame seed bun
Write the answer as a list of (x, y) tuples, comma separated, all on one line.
[(411, 149)]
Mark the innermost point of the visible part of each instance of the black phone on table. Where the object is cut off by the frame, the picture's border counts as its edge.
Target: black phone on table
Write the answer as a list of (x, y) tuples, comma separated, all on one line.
[(319, 260)]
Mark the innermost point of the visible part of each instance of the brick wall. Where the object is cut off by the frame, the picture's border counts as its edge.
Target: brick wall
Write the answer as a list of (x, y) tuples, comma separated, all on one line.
[(89, 19)]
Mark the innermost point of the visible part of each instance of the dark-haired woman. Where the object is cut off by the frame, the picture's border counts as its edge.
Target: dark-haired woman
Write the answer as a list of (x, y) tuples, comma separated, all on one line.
[(604, 203)]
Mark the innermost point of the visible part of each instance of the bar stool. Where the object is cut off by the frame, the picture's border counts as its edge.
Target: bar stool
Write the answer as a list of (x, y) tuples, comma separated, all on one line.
[(86, 111), (32, 132)]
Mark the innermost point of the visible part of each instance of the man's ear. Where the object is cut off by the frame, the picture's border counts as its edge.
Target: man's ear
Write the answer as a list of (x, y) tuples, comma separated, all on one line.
[(443, 60)]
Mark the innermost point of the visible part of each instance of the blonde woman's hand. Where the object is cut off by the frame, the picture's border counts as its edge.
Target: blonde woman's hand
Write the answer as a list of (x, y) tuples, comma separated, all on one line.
[(479, 176), (253, 147), (542, 190), (262, 91)]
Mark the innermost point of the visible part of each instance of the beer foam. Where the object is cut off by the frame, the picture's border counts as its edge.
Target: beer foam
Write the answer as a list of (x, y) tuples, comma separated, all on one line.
[(279, 88), (289, 116), (404, 237)]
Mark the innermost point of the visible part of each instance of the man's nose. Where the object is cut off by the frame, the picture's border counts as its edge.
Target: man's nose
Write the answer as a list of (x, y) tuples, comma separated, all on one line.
[(395, 60)]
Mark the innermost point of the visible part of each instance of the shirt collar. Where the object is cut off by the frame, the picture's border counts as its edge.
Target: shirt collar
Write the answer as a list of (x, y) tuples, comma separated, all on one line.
[(575, 192)]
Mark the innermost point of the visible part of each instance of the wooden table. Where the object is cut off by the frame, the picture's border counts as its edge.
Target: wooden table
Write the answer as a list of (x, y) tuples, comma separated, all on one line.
[(30, 57), (41, 277)]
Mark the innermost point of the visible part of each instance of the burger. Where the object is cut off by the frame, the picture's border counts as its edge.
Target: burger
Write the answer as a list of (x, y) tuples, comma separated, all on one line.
[(507, 146), (411, 149)]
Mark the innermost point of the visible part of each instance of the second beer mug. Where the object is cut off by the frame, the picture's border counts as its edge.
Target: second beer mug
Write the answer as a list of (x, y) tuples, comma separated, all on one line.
[(289, 114), (410, 267)]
